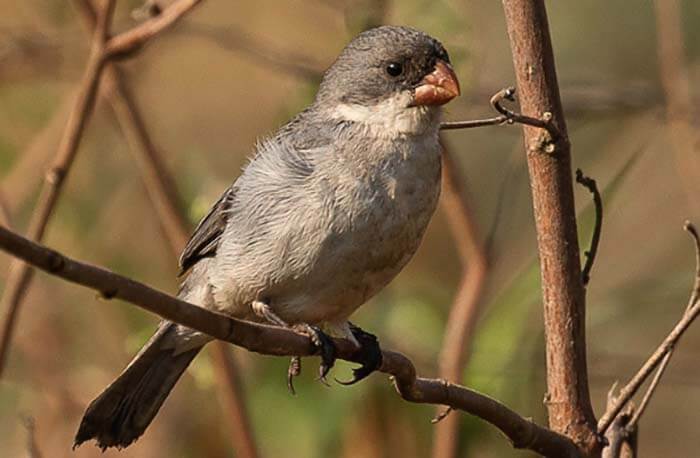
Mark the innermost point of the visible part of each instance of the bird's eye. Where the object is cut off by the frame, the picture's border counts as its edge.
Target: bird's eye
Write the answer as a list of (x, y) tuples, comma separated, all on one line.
[(394, 69)]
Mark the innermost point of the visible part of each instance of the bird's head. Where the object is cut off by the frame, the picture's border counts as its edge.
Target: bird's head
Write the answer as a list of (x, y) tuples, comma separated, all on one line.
[(392, 78)]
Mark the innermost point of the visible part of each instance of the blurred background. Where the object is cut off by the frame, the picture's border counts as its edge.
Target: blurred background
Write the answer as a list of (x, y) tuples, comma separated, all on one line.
[(232, 72)]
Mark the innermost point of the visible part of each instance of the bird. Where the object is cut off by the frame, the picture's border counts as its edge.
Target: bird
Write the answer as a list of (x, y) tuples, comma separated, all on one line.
[(327, 211)]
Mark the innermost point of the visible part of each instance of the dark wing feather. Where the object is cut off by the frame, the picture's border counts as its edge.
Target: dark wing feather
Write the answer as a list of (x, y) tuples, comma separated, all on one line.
[(206, 236)]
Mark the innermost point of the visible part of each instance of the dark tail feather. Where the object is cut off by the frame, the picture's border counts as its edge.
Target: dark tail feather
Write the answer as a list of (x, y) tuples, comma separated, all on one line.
[(123, 411)]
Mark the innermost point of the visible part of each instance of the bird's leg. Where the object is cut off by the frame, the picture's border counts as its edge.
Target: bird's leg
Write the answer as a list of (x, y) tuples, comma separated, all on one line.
[(323, 343), (370, 355), (263, 310)]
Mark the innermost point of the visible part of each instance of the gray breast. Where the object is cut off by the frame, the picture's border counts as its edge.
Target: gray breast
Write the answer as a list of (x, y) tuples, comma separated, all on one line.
[(322, 234)]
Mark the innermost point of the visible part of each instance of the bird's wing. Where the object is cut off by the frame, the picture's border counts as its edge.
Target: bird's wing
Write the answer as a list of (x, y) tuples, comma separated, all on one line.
[(207, 234)]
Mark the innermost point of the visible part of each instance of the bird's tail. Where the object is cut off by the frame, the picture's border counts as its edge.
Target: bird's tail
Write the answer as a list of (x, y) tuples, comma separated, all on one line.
[(123, 411)]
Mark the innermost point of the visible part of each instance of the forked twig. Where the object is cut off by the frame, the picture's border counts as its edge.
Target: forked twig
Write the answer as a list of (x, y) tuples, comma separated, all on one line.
[(660, 354), (103, 49)]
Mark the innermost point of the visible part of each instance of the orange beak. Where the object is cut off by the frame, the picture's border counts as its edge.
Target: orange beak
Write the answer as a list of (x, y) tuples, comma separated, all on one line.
[(439, 87)]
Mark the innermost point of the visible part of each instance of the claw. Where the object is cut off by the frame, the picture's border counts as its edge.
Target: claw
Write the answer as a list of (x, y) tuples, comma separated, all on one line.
[(293, 371), (326, 349), (370, 354)]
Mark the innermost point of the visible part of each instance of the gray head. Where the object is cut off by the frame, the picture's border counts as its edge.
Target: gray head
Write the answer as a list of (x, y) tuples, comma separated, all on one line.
[(387, 62)]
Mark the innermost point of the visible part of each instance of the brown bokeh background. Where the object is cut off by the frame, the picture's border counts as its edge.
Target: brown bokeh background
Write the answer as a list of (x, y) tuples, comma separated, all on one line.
[(222, 79)]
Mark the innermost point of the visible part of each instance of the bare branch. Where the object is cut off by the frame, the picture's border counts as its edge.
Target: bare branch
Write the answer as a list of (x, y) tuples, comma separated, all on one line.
[(136, 38), (591, 185), (271, 340), (666, 347), (649, 393), (695, 294), (549, 164), (20, 274), (162, 191)]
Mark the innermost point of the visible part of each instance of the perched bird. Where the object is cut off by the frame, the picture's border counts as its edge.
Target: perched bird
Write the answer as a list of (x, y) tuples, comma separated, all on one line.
[(325, 214)]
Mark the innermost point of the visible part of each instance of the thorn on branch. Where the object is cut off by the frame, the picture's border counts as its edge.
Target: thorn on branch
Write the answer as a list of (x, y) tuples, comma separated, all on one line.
[(590, 184), (442, 415)]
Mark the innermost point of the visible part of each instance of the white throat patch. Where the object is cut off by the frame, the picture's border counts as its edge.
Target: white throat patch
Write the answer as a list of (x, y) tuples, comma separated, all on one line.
[(390, 117)]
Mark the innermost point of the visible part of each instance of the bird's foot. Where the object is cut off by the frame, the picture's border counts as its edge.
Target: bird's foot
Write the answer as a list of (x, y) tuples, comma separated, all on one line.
[(324, 346), (323, 343), (370, 355)]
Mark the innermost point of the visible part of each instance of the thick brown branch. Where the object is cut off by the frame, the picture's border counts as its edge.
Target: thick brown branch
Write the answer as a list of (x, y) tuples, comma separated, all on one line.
[(549, 164), (136, 38), (655, 360), (272, 340)]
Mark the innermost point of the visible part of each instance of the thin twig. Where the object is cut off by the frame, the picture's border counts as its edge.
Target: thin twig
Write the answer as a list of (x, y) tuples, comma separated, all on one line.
[(135, 39), (20, 274), (691, 312), (272, 340), (695, 294), (103, 49), (495, 121), (590, 184), (507, 117), (639, 411), (441, 415), (163, 194)]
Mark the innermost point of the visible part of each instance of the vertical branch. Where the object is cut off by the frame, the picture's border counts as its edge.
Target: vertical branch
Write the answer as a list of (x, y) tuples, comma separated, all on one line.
[(164, 196), (673, 73), (464, 312), (549, 164), (20, 273)]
